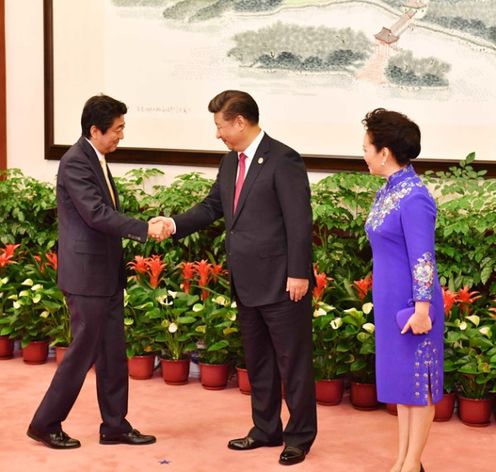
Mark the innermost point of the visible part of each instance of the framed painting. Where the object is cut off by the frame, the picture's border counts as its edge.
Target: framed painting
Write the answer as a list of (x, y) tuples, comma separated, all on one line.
[(315, 67)]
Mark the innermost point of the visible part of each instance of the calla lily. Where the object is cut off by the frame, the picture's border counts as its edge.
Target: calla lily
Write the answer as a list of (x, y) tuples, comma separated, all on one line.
[(197, 307), (319, 312), (36, 287), (336, 323), (463, 326), (367, 308), (369, 327), (486, 331), (28, 282), (474, 319), (172, 328)]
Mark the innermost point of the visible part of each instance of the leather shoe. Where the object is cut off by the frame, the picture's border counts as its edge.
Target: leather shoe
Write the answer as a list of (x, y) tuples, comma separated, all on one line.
[(133, 437), (292, 455), (247, 443), (58, 440)]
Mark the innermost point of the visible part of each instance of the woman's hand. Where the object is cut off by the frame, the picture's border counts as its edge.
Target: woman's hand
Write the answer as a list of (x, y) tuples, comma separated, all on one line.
[(420, 322)]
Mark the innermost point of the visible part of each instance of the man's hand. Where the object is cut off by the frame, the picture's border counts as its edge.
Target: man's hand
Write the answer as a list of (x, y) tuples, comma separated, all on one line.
[(297, 288), (159, 228)]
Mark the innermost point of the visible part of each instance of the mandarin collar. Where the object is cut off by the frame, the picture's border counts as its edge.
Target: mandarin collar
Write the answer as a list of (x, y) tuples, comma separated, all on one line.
[(400, 175)]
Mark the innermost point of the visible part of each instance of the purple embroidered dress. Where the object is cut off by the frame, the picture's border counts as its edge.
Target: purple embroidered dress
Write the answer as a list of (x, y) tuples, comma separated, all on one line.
[(401, 227)]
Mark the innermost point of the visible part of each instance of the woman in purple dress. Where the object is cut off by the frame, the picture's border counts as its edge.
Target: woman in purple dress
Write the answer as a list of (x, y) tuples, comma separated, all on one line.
[(401, 227)]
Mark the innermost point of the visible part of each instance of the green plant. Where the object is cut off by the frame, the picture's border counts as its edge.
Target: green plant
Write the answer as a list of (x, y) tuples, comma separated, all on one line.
[(466, 222), (474, 355), (28, 211), (332, 345), (175, 334), (360, 329), (217, 330)]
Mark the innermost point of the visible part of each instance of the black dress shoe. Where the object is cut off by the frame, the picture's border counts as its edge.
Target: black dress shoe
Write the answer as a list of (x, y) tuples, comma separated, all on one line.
[(58, 440), (247, 443), (133, 437), (292, 455)]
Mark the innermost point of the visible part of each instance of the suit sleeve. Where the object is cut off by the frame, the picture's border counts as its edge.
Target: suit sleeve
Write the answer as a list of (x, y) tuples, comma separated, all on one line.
[(293, 190), (201, 215), (418, 219), (85, 193)]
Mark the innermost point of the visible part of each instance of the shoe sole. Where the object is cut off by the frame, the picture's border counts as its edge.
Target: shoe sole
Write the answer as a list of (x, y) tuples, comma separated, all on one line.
[(251, 448), (109, 442), (51, 446)]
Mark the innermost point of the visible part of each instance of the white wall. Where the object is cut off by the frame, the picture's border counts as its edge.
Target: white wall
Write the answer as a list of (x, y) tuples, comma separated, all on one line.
[(25, 98)]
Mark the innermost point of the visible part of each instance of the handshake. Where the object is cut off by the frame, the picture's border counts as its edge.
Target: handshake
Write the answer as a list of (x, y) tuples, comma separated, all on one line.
[(160, 228)]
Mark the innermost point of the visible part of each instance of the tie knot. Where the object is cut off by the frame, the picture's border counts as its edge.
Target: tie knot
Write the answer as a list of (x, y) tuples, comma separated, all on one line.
[(242, 156)]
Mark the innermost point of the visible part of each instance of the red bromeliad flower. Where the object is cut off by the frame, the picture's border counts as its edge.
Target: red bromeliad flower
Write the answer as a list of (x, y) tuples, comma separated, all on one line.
[(139, 265), (7, 253), (204, 271), (155, 267), (217, 271), (449, 299), (321, 283), (363, 286), (466, 298), (52, 260), (188, 271)]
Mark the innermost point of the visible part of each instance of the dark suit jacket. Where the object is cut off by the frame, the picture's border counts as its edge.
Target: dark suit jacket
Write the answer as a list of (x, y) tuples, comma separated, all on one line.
[(90, 229), (269, 238)]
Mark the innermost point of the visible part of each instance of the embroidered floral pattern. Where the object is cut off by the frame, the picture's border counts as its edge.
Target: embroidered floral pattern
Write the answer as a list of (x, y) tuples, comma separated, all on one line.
[(388, 199), (423, 277), (427, 372)]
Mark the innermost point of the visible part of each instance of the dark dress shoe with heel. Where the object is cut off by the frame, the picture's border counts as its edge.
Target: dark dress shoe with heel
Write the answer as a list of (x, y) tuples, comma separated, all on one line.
[(58, 440), (133, 437), (247, 443), (292, 455)]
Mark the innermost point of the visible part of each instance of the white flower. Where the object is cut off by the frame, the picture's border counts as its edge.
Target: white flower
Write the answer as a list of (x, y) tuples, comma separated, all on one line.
[(36, 287), (369, 327), (463, 326), (36, 298), (367, 308), (336, 323), (23, 293), (45, 314), (319, 312), (4, 280), (233, 305), (28, 282), (220, 300), (197, 307), (486, 331), (17, 305), (231, 316), (474, 319), (172, 293), (172, 328)]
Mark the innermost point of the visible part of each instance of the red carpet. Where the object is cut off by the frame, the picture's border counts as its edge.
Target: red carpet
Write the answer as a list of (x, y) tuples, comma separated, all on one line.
[(193, 426)]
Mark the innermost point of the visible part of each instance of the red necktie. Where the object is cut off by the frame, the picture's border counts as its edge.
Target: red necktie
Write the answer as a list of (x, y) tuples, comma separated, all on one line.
[(240, 180)]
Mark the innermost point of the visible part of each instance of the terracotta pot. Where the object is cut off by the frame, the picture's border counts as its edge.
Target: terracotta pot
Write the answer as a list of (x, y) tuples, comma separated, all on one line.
[(329, 391), (6, 347), (363, 396), (141, 367), (36, 352), (60, 353), (213, 376), (474, 412), (445, 407), (175, 372), (243, 381), (392, 409)]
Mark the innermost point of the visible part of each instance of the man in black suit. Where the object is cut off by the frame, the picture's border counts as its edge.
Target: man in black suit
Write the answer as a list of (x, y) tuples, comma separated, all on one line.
[(262, 191), (91, 273)]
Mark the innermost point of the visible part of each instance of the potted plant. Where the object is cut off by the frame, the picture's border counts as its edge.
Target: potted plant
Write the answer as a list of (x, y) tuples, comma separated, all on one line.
[(359, 326), (218, 339), (331, 354), (175, 335), (8, 287), (473, 342)]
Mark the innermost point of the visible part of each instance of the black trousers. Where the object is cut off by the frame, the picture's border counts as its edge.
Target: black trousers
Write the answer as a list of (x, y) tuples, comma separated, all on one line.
[(98, 337), (277, 340)]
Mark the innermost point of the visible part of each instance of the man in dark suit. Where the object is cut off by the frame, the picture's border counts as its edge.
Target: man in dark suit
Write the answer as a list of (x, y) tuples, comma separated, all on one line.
[(91, 273), (262, 191)]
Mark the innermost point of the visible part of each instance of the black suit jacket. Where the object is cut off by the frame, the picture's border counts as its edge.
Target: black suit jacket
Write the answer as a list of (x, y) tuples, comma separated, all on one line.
[(269, 238), (90, 228)]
